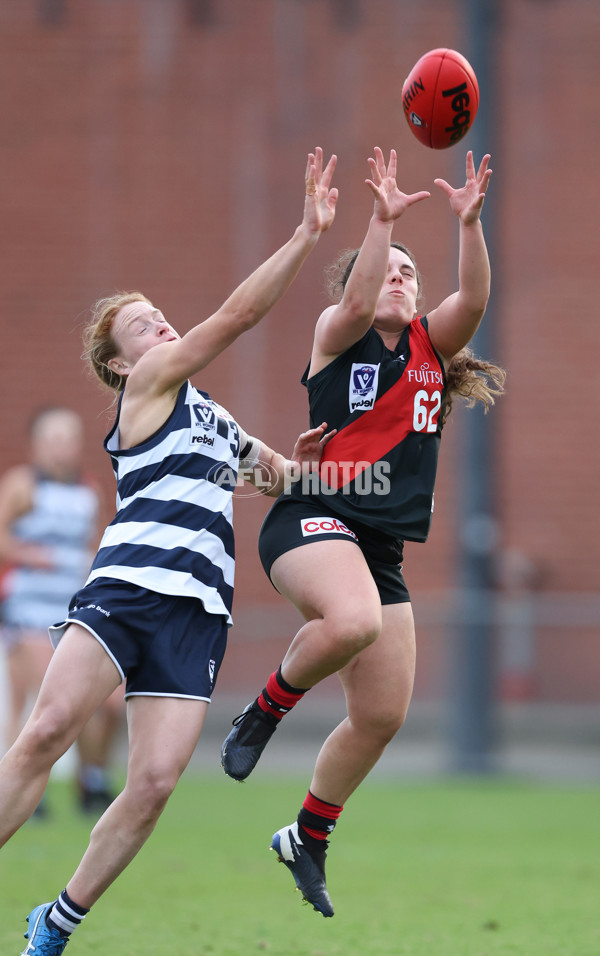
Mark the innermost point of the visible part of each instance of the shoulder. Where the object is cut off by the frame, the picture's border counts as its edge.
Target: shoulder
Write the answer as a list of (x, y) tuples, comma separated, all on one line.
[(367, 349), (419, 329), (19, 475), (420, 325)]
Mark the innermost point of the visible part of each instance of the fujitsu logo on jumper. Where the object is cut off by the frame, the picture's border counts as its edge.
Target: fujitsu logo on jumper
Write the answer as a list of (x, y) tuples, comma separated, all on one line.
[(425, 375)]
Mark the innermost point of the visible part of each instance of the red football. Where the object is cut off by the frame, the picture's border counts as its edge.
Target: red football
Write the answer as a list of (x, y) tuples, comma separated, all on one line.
[(440, 97)]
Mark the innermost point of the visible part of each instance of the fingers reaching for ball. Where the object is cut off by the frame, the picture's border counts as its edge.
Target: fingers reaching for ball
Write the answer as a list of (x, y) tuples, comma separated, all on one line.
[(390, 201), (320, 197), (467, 200)]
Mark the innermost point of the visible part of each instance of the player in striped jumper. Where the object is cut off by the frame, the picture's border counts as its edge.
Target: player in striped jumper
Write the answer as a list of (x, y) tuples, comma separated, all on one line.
[(384, 378), (156, 607), (49, 526)]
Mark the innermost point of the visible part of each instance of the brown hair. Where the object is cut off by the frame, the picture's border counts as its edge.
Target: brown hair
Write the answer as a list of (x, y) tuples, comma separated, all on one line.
[(337, 275), (98, 344), (473, 379), (468, 376)]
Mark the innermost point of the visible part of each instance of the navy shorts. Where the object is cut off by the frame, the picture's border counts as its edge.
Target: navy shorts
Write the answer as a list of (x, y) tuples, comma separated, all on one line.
[(162, 645), (293, 522)]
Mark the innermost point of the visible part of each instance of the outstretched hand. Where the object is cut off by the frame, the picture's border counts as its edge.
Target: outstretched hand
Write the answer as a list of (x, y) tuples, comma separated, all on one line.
[(390, 202), (467, 201), (309, 445), (320, 199)]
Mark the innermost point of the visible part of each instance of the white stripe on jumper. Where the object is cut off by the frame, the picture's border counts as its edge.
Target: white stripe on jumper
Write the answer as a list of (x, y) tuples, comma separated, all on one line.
[(164, 581), (167, 537)]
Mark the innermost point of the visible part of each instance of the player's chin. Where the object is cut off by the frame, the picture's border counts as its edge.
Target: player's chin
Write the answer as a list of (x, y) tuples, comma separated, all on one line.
[(392, 323)]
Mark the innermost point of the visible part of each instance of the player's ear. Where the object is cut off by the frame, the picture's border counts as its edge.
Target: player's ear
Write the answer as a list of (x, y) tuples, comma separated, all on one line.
[(118, 366)]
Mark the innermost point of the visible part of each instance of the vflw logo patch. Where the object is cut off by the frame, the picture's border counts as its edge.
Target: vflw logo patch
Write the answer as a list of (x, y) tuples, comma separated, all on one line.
[(363, 387), (203, 424)]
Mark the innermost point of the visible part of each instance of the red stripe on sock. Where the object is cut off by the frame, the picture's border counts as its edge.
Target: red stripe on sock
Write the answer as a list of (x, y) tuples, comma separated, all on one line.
[(279, 695), (321, 808), (317, 834)]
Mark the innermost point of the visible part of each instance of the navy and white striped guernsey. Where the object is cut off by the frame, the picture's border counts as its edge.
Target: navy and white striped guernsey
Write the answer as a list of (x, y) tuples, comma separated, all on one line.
[(173, 530), (62, 520)]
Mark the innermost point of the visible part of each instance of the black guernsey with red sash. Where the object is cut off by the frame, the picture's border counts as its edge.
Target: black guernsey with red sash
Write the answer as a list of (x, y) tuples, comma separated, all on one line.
[(380, 467)]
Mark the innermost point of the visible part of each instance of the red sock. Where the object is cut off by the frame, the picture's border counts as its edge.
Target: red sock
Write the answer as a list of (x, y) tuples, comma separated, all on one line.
[(317, 817), (278, 697)]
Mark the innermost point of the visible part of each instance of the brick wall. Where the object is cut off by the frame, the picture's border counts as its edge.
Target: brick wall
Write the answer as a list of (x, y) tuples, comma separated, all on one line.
[(160, 145)]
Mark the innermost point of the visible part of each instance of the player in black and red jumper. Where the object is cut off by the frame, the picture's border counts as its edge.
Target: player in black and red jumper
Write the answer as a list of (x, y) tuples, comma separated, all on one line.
[(383, 377)]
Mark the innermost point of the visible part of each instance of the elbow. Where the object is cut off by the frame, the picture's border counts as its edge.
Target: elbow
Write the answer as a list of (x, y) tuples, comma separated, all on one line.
[(477, 302), (359, 309), (479, 308), (242, 320)]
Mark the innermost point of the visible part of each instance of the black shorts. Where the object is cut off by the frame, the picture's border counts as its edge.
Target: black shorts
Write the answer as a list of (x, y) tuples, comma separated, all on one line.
[(163, 645), (292, 523)]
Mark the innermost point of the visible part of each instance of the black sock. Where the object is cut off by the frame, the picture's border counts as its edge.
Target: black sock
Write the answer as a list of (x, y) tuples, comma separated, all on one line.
[(317, 820)]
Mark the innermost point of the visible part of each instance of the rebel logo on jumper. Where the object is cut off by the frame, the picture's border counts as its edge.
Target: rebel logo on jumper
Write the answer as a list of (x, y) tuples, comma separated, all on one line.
[(203, 424), (363, 387)]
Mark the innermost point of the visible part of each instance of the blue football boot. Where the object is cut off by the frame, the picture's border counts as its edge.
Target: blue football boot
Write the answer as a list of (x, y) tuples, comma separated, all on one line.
[(43, 941)]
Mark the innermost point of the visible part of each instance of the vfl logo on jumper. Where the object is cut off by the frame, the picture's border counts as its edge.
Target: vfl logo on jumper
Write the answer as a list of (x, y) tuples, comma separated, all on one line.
[(203, 424), (363, 386), (312, 526)]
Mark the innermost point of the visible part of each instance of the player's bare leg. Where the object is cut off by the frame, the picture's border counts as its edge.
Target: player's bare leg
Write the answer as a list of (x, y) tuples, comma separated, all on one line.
[(342, 608), (378, 686), (27, 663), (79, 678), (344, 619), (343, 615), (163, 732)]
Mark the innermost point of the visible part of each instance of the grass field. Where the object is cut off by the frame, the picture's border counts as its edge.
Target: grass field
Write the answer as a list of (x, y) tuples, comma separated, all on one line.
[(453, 868)]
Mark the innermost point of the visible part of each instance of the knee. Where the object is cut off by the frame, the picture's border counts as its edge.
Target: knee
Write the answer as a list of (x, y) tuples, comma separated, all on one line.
[(151, 790), (47, 734), (384, 723), (355, 630)]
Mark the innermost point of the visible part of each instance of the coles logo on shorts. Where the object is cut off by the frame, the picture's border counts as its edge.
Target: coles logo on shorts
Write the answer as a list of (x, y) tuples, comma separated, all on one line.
[(312, 526)]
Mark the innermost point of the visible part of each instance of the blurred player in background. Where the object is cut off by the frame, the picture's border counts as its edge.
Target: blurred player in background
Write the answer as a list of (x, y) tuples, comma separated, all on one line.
[(384, 378), (49, 529), (157, 603)]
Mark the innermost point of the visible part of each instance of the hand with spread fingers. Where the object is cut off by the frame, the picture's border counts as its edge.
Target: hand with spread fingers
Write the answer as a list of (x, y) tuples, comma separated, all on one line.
[(321, 198), (390, 201), (467, 200)]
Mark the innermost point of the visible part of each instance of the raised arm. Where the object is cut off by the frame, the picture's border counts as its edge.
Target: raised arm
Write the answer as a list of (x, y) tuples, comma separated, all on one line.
[(271, 472), (167, 366), (341, 325), (454, 323)]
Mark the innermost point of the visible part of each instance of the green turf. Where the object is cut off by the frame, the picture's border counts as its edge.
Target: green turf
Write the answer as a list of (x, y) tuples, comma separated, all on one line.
[(459, 868)]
